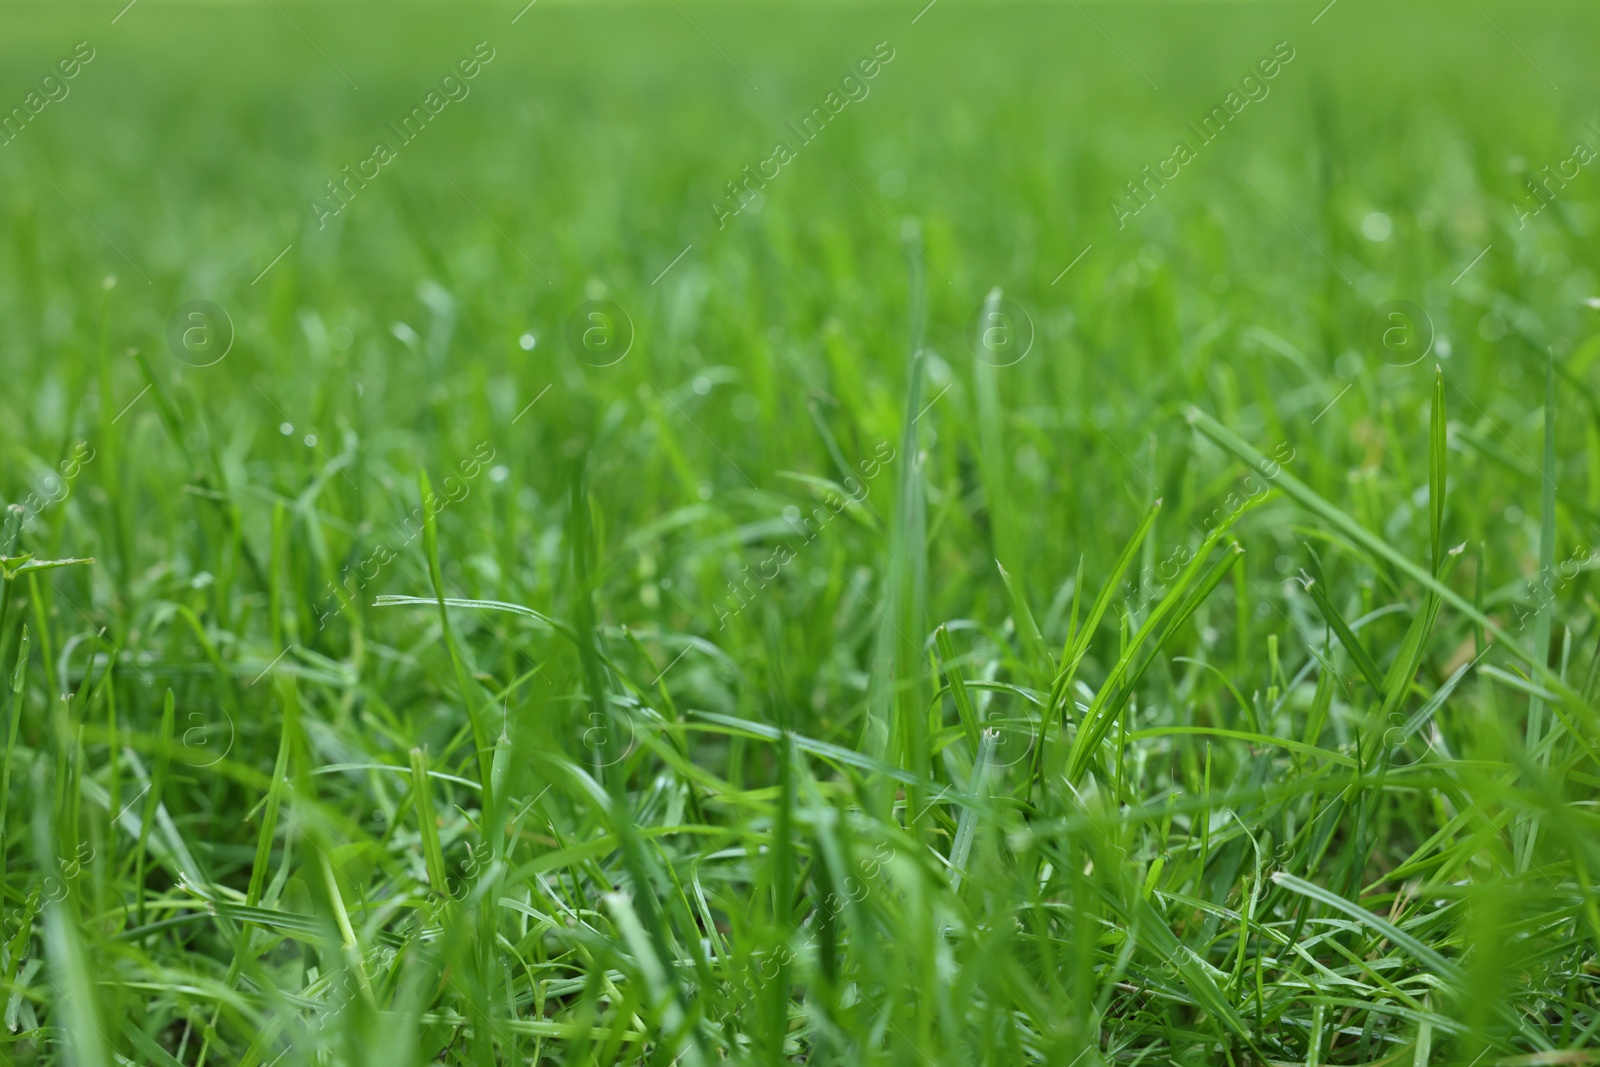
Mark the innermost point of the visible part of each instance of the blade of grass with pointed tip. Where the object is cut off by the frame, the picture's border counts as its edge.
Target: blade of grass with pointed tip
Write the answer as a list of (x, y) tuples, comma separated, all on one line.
[(1420, 717), (147, 1046), (1438, 448), (1107, 706), (469, 691), (158, 779), (19, 678), (1547, 547), (427, 821), (1397, 681), (1077, 602), (1382, 927), (32, 565), (1079, 638), (1148, 927), (581, 539), (1298, 747), (1528, 832), (958, 688), (76, 1008), (1573, 708), (849, 757), (1072, 653), (289, 700), (991, 447), (908, 568), (41, 626), (967, 829), (165, 405), (390, 600), (1347, 637), (1345, 632), (1171, 599), (1027, 628)]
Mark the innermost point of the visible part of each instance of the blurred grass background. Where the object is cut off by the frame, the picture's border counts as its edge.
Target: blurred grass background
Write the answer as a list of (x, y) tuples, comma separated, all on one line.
[(222, 502)]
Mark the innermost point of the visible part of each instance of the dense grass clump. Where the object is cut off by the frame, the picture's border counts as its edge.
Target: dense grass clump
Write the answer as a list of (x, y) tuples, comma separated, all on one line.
[(871, 533)]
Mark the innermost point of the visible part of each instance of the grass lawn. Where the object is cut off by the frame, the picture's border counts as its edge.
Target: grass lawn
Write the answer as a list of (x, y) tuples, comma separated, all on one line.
[(690, 532)]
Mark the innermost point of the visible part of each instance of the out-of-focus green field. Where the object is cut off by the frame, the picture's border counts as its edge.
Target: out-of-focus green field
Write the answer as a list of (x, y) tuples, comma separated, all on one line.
[(929, 614)]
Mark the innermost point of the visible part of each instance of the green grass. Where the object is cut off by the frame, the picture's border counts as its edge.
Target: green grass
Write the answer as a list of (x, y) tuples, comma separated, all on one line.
[(816, 680)]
